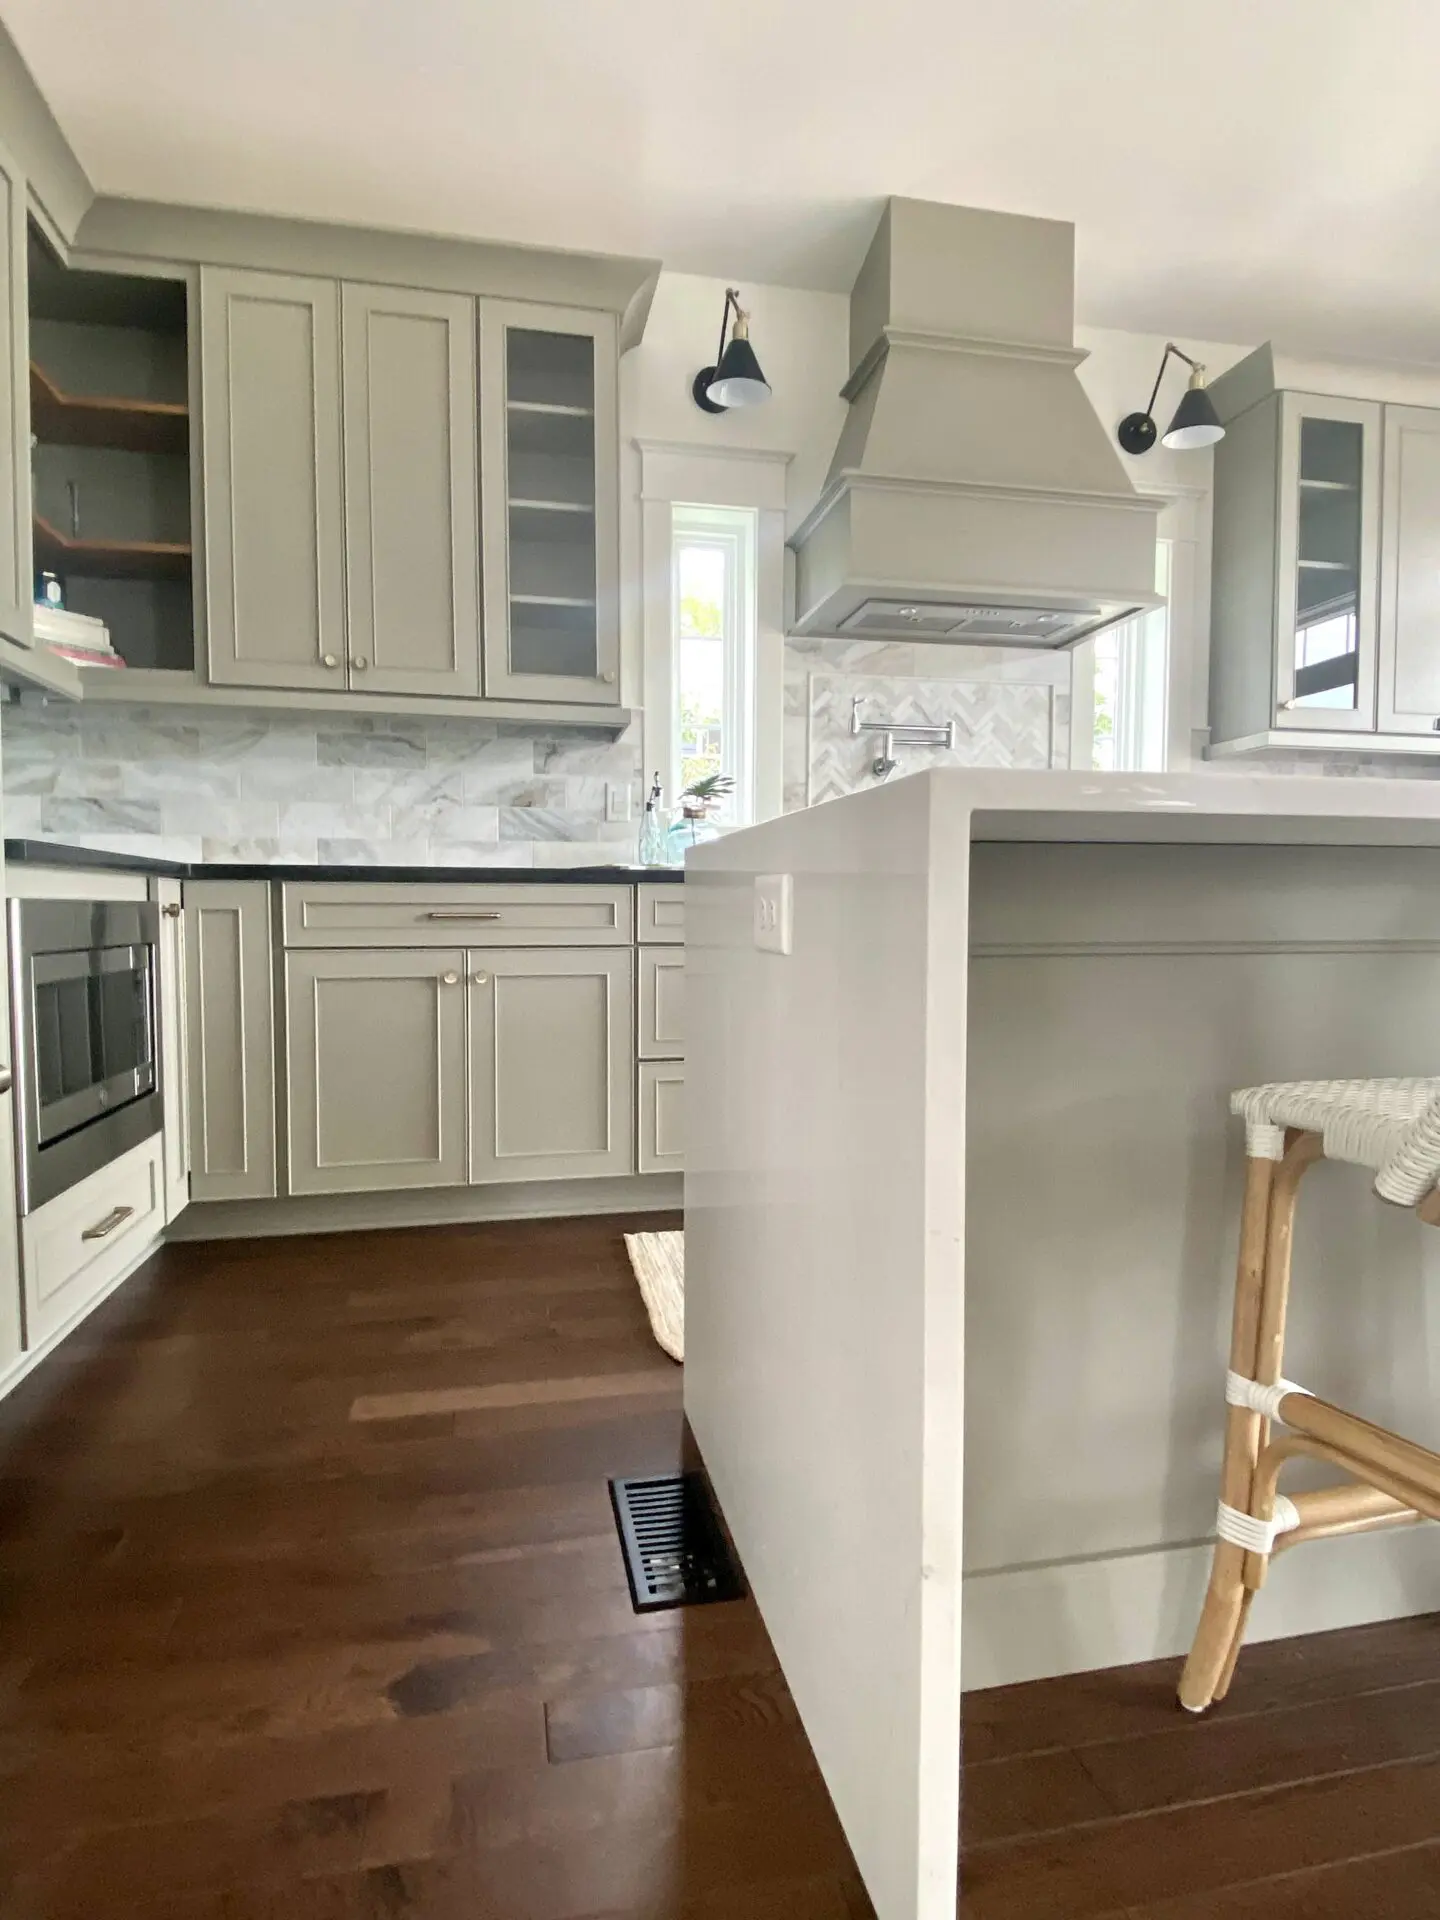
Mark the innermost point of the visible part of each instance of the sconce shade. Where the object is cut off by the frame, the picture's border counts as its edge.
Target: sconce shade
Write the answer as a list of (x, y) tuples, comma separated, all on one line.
[(735, 380), (1196, 423), (738, 381)]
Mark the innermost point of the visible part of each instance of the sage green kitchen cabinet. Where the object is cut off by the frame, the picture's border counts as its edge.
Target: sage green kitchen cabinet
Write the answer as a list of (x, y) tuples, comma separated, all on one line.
[(1410, 572), (412, 529), (230, 1029), (17, 576), (549, 477), (661, 1116), (552, 1063), (375, 1058), (273, 485), (173, 1065)]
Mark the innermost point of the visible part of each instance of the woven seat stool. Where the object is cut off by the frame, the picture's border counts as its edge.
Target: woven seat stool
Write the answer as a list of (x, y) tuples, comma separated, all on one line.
[(1393, 1128)]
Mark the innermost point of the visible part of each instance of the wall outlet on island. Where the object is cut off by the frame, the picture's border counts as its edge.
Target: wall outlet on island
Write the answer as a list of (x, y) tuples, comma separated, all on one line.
[(774, 912), (617, 799)]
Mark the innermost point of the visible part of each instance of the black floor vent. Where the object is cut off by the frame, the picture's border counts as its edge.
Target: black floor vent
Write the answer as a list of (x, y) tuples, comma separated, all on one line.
[(675, 1550)]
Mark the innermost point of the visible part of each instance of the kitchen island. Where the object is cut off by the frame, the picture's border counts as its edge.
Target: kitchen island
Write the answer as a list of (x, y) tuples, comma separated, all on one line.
[(962, 1196)]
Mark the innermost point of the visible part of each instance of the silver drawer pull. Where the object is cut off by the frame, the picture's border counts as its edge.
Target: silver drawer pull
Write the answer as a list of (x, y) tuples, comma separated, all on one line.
[(460, 913), (102, 1229)]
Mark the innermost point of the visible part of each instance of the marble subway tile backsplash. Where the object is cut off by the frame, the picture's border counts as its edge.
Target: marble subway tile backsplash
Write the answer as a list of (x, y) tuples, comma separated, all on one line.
[(263, 787)]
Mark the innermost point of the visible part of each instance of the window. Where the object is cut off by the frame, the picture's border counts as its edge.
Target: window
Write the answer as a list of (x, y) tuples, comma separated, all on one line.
[(1132, 673), (713, 624)]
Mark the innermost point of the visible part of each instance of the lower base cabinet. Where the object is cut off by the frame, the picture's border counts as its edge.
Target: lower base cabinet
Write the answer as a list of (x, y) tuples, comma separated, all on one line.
[(230, 1037), (73, 1247), (375, 1070), (662, 1116), (436, 1067)]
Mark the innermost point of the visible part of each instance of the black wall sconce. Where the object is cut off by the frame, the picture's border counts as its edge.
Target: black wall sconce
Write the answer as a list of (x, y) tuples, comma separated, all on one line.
[(735, 380), (1196, 423)]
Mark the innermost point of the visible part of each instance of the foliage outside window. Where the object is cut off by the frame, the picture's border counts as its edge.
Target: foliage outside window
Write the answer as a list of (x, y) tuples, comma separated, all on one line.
[(1132, 673), (713, 574)]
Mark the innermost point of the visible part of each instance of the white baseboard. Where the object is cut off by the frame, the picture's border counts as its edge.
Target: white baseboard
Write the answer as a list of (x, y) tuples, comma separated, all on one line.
[(1026, 1623), (33, 1356), (431, 1207)]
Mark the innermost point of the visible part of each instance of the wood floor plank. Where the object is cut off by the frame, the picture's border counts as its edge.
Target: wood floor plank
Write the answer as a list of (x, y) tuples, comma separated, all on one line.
[(509, 1393), (1395, 1886), (1131, 1863)]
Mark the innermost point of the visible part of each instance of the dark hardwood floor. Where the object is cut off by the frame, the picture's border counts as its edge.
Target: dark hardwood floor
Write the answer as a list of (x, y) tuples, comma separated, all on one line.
[(311, 1609)]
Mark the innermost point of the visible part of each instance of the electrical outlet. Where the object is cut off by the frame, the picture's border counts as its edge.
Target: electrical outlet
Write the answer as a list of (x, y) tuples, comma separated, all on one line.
[(774, 912), (617, 799)]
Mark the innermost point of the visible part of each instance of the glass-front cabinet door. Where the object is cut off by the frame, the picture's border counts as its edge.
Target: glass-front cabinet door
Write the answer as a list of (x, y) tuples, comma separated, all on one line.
[(549, 484), (1328, 563)]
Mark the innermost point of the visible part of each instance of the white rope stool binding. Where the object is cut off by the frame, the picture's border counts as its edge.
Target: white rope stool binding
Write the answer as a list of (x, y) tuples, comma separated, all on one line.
[(1240, 1392), (1256, 1536)]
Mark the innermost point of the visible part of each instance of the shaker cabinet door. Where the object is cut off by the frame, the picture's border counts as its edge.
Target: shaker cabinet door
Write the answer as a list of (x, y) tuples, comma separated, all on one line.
[(274, 543), (1328, 554), (552, 1064), (230, 1033), (549, 469), (17, 574), (1410, 573), (412, 527), (376, 1070)]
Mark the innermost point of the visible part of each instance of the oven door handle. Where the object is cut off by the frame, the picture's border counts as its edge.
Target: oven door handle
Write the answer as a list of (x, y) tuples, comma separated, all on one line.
[(102, 1229)]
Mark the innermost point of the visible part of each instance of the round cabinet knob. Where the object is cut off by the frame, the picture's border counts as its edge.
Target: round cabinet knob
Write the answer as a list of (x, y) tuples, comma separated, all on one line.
[(171, 909), (608, 678), (450, 979), (359, 663), (6, 1080), (330, 660), (481, 979)]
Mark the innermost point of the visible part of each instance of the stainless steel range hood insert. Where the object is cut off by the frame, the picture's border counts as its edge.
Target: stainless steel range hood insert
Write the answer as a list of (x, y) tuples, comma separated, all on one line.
[(974, 496)]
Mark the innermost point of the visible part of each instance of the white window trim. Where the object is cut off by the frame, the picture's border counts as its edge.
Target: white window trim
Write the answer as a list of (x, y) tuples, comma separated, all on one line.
[(672, 476), (717, 527)]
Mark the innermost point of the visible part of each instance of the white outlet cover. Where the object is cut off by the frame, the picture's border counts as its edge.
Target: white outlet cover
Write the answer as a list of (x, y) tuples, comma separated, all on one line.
[(774, 912), (617, 800)]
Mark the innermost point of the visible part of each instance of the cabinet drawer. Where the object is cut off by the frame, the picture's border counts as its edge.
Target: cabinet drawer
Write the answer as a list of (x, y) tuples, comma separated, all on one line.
[(661, 1108), (73, 1246), (662, 1003), (660, 911), (360, 914)]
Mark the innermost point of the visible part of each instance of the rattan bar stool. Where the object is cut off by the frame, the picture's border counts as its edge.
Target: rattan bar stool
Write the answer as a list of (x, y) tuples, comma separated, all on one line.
[(1392, 1126)]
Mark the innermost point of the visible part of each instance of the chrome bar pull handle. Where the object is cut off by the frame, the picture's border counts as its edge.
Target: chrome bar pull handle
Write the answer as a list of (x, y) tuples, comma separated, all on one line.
[(459, 913), (102, 1229)]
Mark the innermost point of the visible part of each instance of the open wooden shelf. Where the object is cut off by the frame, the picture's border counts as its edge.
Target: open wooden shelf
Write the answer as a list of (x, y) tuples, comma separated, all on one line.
[(112, 559), (130, 426)]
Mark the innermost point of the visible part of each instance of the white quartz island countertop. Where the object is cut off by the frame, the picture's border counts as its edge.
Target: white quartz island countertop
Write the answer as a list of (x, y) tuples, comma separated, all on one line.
[(962, 1194)]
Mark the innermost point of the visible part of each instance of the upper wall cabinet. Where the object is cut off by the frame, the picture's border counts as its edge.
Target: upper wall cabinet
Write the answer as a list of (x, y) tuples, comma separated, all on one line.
[(412, 534), (360, 484), (1296, 568), (16, 578), (1325, 612), (550, 480), (274, 535)]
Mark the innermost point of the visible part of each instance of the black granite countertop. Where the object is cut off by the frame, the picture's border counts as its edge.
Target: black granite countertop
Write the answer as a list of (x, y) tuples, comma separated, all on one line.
[(45, 853)]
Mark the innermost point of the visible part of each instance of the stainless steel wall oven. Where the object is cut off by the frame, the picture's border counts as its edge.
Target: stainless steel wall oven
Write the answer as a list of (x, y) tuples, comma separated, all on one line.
[(82, 997)]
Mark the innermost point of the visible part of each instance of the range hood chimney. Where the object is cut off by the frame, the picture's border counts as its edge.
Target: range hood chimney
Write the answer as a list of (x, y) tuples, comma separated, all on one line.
[(974, 495)]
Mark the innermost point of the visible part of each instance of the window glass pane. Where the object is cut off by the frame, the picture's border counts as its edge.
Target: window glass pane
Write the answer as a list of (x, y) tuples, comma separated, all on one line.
[(701, 662)]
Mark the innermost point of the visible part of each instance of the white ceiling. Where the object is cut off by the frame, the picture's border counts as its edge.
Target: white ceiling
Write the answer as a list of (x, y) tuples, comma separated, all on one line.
[(1237, 169)]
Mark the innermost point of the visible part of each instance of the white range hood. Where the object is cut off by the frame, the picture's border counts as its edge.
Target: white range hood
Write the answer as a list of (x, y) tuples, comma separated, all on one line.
[(974, 495)]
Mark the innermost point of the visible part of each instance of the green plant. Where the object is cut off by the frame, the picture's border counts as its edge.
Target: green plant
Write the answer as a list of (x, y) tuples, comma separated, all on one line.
[(706, 791)]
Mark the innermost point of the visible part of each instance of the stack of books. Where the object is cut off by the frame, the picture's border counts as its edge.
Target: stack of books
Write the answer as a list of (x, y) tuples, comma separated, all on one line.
[(76, 637)]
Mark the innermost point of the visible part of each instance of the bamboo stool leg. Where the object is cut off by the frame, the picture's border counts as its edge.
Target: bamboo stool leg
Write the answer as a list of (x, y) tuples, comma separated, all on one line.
[(1262, 1285), (1215, 1637)]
